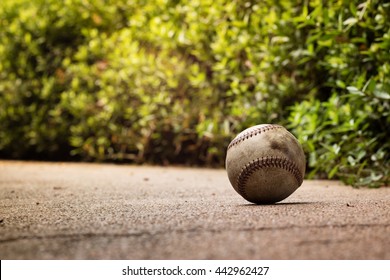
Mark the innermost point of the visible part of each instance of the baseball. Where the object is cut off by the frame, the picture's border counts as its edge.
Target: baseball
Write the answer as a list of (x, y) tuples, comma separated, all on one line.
[(265, 163)]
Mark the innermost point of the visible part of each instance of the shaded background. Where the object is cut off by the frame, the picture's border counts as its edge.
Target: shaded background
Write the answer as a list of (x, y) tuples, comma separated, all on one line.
[(172, 82)]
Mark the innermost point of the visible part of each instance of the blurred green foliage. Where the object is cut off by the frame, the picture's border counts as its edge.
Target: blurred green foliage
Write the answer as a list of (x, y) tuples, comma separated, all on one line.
[(345, 125), (170, 81)]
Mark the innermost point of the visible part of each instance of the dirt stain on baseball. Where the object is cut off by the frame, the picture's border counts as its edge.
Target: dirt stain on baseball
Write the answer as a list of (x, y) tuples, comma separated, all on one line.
[(275, 145)]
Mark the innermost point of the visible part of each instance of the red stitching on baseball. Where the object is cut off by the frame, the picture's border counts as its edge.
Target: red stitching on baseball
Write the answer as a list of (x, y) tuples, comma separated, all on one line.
[(253, 132), (266, 162)]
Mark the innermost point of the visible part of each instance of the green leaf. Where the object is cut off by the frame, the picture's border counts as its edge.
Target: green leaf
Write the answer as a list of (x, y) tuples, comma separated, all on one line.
[(382, 94), (350, 21), (333, 171), (355, 91)]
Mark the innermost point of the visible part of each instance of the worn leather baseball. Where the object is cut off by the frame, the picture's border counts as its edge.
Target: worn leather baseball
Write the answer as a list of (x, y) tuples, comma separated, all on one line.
[(265, 163)]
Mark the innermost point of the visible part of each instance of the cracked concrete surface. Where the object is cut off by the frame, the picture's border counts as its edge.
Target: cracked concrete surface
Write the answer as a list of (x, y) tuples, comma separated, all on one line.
[(104, 211)]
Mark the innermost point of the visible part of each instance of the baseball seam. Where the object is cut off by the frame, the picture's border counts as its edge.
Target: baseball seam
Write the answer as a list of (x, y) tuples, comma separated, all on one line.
[(266, 162), (252, 133)]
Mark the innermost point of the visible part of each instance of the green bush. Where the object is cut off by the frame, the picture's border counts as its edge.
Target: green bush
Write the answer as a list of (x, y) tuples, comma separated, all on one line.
[(346, 126), (166, 82), (173, 81), (35, 38)]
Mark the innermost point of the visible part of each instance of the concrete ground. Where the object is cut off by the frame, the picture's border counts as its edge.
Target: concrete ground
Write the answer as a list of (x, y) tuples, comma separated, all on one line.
[(93, 211)]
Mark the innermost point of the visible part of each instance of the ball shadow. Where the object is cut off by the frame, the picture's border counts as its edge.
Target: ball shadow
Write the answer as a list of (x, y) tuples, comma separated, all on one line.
[(276, 204)]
